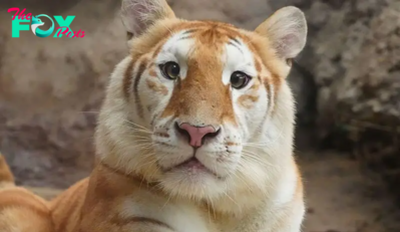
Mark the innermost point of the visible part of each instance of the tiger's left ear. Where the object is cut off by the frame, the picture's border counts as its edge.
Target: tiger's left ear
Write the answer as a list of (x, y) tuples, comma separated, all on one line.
[(139, 15), (286, 29)]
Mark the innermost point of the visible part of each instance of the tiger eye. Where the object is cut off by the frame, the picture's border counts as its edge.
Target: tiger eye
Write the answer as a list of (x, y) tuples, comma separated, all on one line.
[(239, 80), (171, 70)]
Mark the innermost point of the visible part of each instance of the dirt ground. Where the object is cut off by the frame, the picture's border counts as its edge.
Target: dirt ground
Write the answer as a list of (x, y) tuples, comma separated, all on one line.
[(339, 197)]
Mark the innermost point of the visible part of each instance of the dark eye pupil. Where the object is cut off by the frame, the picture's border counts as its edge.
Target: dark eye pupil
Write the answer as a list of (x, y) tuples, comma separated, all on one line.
[(171, 70), (236, 78), (239, 80), (174, 69)]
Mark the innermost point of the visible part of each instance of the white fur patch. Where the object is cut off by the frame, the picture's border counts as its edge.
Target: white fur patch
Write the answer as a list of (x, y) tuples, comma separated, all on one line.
[(181, 217), (286, 187), (177, 49), (237, 58)]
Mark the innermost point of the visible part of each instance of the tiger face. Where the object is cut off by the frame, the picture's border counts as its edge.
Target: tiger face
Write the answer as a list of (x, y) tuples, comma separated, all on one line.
[(200, 106)]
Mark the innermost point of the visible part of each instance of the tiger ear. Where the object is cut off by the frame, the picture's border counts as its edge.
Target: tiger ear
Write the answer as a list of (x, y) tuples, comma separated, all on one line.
[(139, 15), (286, 29)]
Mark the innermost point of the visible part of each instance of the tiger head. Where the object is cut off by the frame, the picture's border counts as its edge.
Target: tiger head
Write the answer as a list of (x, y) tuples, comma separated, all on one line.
[(201, 107)]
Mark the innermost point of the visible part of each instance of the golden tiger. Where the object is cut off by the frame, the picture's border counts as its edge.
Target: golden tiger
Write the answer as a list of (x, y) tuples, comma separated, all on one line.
[(196, 131)]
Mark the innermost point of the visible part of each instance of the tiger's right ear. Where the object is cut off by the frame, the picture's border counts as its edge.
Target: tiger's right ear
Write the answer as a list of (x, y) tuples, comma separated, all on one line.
[(139, 15), (287, 31)]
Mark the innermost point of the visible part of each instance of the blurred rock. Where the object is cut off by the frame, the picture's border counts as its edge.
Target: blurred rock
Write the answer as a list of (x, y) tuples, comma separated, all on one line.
[(368, 96), (51, 90), (371, 84), (353, 54)]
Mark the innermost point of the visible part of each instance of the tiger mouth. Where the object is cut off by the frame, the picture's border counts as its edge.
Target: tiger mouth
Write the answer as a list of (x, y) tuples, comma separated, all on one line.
[(193, 164)]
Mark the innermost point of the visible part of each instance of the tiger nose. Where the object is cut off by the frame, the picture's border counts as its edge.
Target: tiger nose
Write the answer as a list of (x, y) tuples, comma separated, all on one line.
[(196, 134)]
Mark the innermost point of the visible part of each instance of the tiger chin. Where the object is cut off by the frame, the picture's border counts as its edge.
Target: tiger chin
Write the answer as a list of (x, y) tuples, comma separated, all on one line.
[(196, 131)]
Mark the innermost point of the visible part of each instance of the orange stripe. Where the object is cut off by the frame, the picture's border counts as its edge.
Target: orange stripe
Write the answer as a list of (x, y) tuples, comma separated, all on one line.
[(142, 67), (157, 87), (22, 199), (269, 97), (124, 221), (67, 204), (269, 93), (127, 83)]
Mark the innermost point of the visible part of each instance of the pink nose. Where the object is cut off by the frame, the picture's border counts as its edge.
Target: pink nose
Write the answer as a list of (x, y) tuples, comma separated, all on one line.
[(196, 134)]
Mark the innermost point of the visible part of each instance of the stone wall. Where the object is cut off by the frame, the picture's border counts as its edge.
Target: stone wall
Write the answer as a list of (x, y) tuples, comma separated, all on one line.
[(354, 58)]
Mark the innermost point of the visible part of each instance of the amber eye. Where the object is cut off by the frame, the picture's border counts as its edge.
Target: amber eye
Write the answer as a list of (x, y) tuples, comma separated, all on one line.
[(239, 80), (170, 70)]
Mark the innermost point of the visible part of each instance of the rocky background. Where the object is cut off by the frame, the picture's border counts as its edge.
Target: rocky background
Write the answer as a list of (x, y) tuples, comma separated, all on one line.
[(346, 81)]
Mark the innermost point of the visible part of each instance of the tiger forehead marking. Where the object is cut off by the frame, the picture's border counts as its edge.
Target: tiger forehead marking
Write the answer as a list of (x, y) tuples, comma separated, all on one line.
[(208, 57), (201, 86), (214, 36)]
